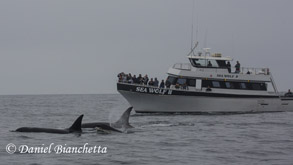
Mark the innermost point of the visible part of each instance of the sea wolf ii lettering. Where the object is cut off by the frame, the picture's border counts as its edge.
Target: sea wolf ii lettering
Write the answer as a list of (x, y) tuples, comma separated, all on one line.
[(154, 90)]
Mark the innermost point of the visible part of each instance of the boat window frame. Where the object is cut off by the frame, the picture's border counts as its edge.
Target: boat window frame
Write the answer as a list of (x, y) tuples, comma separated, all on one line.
[(203, 63), (256, 86), (230, 85), (173, 81), (191, 84), (235, 85), (243, 85), (179, 78), (216, 84), (222, 63)]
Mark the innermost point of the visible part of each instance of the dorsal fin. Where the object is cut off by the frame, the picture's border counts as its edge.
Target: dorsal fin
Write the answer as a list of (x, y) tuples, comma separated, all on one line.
[(123, 122), (76, 126)]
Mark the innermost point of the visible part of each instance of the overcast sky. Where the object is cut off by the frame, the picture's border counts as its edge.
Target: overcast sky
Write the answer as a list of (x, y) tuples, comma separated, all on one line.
[(79, 46)]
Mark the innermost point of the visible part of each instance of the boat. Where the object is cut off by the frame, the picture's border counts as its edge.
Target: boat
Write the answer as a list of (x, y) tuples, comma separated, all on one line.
[(208, 84)]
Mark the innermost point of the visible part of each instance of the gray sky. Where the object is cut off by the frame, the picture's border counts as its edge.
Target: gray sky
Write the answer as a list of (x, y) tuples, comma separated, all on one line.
[(79, 46)]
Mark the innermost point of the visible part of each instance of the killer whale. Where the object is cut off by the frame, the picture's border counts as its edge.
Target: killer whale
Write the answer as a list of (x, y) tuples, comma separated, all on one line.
[(75, 127), (123, 122)]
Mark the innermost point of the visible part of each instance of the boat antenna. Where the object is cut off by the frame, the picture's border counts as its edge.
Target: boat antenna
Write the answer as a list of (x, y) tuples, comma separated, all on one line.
[(197, 15), (192, 49), (206, 38), (191, 42)]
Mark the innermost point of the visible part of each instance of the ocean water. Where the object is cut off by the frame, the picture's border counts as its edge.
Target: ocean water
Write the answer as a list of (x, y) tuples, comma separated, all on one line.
[(265, 138)]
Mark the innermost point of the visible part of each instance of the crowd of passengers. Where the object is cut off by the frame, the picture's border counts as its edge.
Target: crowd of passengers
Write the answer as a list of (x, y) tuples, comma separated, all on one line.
[(144, 80)]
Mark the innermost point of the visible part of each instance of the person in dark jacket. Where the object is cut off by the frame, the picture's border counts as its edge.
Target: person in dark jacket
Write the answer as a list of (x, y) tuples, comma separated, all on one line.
[(209, 89), (156, 82), (209, 64), (229, 67), (139, 79), (289, 94), (168, 84), (151, 82), (134, 79), (162, 85), (237, 67), (145, 79)]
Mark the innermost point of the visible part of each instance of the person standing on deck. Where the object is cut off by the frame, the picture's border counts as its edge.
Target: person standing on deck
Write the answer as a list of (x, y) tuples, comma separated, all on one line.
[(237, 67), (229, 66)]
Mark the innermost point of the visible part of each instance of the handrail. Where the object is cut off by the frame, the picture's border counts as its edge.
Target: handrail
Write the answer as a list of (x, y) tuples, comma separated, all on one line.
[(243, 70), (255, 71)]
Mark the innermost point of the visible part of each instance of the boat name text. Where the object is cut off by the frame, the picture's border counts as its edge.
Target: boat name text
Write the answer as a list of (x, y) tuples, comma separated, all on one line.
[(154, 90), (227, 76)]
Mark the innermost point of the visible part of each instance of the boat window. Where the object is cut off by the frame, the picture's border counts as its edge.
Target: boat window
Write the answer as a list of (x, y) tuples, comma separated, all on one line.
[(216, 84), (242, 85), (234, 85), (206, 83), (171, 80), (204, 63), (258, 86), (181, 81), (255, 86), (263, 86), (191, 82), (228, 84), (222, 63)]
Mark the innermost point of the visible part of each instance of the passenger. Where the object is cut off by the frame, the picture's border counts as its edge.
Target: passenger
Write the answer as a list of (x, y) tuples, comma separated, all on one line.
[(139, 79), (210, 64), (209, 89), (151, 82), (146, 79), (128, 77), (130, 81), (168, 84), (177, 86), (120, 76), (156, 82), (229, 66), (162, 85), (124, 78), (184, 86), (134, 79), (237, 67), (289, 93)]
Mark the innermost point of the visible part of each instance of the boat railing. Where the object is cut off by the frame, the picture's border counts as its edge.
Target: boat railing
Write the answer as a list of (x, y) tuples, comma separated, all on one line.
[(182, 66), (243, 70), (254, 71)]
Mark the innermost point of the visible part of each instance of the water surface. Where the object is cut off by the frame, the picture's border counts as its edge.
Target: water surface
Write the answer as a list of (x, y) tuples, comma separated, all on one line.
[(265, 138)]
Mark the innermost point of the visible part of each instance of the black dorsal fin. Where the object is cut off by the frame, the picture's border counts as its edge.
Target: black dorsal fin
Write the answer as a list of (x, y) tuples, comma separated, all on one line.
[(76, 126)]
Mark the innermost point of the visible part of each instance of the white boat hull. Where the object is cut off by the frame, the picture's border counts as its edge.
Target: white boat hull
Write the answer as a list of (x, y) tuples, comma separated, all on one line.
[(150, 103)]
